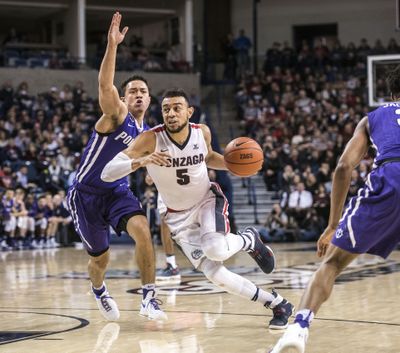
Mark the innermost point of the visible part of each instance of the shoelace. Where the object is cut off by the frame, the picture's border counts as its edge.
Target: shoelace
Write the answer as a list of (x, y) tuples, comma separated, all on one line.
[(155, 302), (104, 302)]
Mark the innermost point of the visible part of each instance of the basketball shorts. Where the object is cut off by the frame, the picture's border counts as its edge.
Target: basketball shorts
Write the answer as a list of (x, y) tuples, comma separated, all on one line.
[(371, 222), (26, 222), (10, 224), (42, 223), (210, 215), (94, 210)]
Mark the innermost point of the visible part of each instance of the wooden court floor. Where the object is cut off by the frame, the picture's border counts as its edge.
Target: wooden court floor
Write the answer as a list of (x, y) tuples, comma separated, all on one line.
[(46, 306)]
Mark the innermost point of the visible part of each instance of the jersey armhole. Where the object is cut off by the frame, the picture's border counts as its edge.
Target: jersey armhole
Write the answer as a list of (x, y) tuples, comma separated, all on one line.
[(103, 133), (204, 139)]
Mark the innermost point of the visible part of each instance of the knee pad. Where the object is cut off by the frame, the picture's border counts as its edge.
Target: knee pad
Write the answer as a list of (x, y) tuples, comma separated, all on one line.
[(214, 246)]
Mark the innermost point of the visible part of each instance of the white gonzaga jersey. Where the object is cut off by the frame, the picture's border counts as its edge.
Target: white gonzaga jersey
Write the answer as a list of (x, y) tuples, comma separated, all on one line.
[(186, 181)]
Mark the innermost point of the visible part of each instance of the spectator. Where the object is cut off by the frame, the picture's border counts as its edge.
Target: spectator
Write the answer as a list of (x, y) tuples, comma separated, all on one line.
[(229, 50), (58, 223), (299, 202), (311, 227), (242, 45), (274, 229), (271, 168)]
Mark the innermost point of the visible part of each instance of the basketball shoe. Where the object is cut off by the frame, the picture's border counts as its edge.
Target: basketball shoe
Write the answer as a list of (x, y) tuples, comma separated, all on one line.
[(282, 310), (262, 254), (168, 275), (150, 307), (293, 340), (106, 304)]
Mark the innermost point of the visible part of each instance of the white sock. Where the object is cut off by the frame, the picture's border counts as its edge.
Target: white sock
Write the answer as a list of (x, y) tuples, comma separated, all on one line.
[(304, 315), (235, 243), (149, 291), (246, 241), (171, 261), (267, 299), (99, 291)]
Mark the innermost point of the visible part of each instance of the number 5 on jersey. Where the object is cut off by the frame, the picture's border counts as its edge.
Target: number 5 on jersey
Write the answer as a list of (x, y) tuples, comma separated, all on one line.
[(182, 176)]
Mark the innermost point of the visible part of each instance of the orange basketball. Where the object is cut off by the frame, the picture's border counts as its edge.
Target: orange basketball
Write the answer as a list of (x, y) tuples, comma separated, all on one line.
[(243, 156)]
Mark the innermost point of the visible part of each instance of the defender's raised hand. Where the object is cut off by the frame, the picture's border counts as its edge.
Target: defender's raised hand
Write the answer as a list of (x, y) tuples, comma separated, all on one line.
[(114, 35)]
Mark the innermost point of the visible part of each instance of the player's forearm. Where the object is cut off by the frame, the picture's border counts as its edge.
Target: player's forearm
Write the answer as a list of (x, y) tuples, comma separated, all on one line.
[(120, 166), (107, 68), (216, 161), (340, 188)]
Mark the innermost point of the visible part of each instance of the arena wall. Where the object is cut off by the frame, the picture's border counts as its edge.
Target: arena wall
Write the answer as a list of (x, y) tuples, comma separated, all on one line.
[(356, 19), (41, 80)]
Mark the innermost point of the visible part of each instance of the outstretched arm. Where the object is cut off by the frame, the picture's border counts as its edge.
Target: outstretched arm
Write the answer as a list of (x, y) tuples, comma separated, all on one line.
[(139, 154), (354, 152), (114, 110), (214, 159)]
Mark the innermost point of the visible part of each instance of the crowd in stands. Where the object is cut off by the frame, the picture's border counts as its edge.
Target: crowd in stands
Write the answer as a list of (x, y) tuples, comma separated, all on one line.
[(42, 138), (303, 108), (134, 55), (26, 50), (19, 50)]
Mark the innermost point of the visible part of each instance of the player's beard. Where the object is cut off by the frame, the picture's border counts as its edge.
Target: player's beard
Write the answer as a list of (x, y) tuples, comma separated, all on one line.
[(178, 128)]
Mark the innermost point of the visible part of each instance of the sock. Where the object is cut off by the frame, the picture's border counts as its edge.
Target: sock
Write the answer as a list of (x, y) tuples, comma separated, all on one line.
[(273, 300), (304, 318), (237, 242), (265, 298), (99, 291), (149, 291), (171, 260), (246, 241)]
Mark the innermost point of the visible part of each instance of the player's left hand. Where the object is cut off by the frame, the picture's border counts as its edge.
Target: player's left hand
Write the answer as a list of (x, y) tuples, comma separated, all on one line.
[(324, 240), (115, 36)]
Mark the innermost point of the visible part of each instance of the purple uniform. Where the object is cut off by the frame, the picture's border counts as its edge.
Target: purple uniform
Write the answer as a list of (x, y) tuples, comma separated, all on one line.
[(371, 222), (94, 204), (7, 207)]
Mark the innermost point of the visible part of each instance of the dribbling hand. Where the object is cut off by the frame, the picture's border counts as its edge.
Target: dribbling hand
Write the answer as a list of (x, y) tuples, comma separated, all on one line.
[(114, 35), (324, 241)]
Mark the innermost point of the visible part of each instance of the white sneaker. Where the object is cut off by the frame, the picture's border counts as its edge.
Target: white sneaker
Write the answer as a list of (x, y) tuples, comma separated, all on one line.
[(107, 306), (293, 340), (150, 307)]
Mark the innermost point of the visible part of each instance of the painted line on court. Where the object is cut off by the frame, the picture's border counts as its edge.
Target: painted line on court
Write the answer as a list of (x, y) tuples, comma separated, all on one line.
[(199, 312), (82, 323)]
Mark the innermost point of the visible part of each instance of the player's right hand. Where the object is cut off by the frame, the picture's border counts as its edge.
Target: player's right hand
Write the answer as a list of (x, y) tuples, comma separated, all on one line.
[(114, 35), (324, 241), (158, 158)]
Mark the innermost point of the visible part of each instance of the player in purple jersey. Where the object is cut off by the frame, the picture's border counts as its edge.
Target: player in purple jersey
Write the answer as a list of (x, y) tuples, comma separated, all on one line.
[(370, 222), (95, 205)]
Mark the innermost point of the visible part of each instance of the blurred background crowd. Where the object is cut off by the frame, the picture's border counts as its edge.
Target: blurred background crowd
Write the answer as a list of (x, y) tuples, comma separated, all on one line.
[(302, 107)]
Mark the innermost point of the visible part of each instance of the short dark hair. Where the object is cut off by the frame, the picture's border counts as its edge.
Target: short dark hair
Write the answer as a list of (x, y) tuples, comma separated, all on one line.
[(133, 78), (176, 92), (393, 81)]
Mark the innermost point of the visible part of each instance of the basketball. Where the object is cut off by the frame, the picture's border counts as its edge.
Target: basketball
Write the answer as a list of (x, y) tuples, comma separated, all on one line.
[(243, 156)]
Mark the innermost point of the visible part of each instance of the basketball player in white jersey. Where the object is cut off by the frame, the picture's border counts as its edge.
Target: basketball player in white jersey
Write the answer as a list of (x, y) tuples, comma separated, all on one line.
[(176, 155)]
